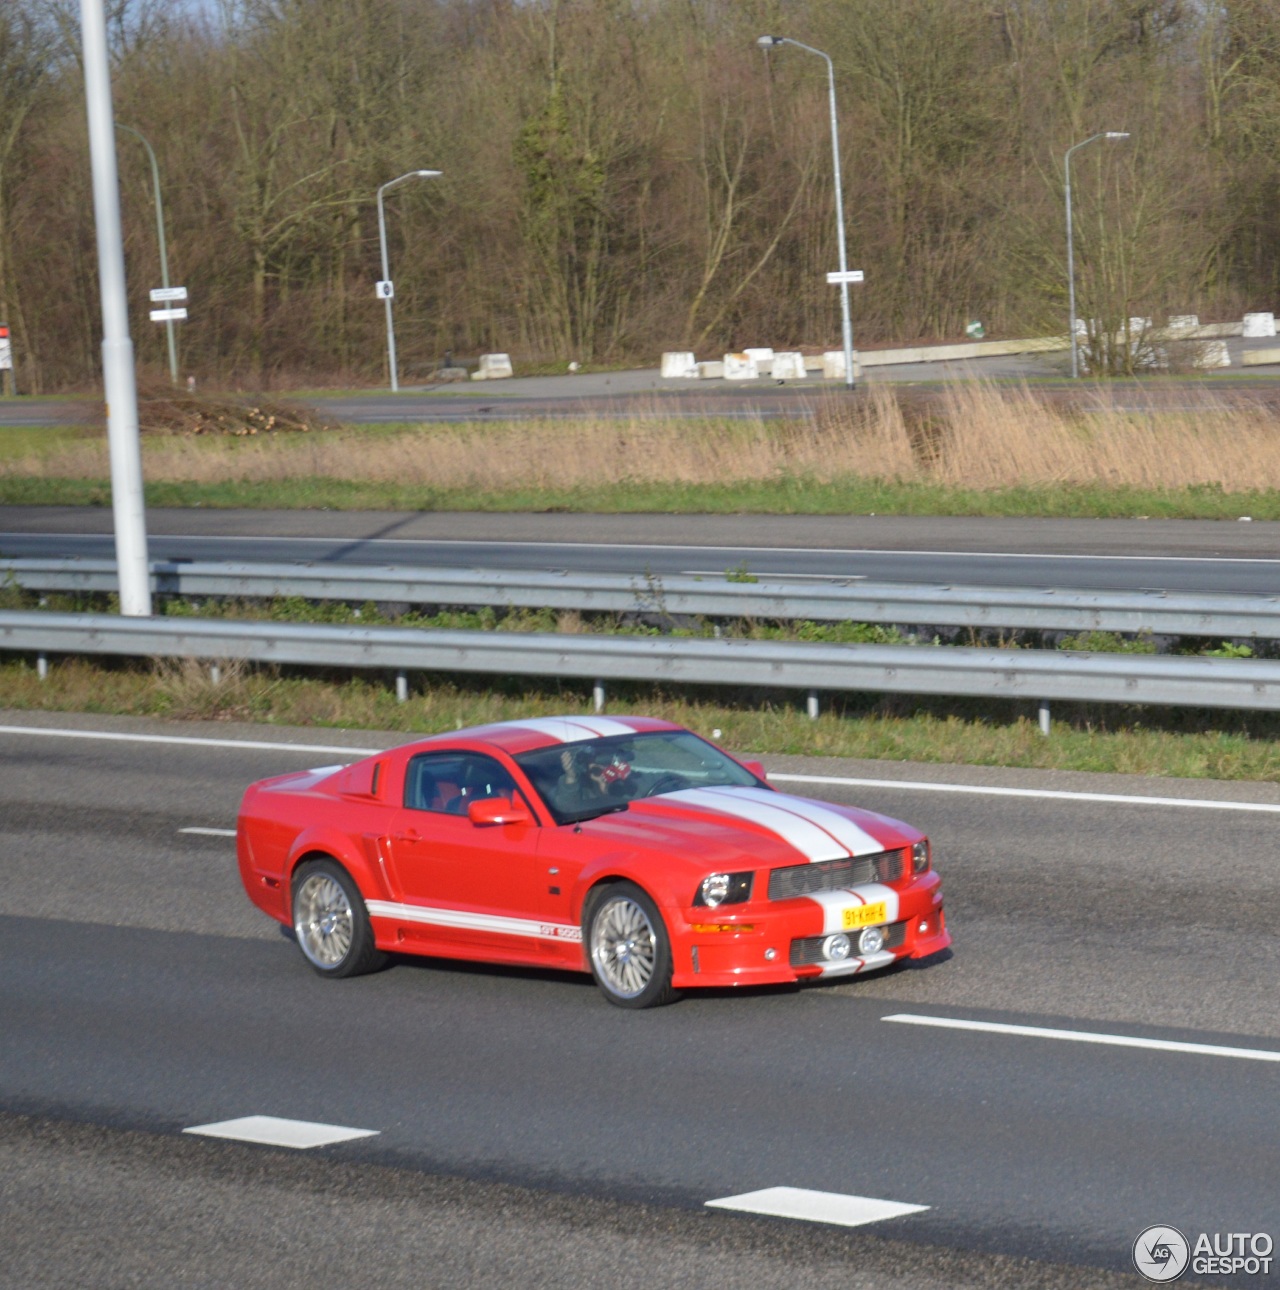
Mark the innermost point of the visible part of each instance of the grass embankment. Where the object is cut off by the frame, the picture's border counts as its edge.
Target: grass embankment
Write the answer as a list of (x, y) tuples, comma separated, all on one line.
[(1139, 742), (967, 449)]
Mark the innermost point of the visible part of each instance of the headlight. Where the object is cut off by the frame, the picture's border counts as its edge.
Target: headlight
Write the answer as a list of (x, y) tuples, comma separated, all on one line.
[(920, 856), (724, 889)]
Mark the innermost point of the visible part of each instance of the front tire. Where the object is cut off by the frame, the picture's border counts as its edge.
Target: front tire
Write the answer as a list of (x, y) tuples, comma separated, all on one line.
[(628, 947), (330, 922)]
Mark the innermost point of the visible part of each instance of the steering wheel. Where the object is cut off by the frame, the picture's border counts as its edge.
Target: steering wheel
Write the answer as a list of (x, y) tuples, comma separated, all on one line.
[(668, 783)]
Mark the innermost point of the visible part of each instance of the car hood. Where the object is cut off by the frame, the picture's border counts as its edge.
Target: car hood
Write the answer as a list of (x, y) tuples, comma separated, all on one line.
[(749, 827)]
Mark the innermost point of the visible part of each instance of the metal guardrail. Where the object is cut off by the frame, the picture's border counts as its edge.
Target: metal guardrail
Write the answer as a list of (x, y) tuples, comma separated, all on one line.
[(1041, 675), (1159, 613)]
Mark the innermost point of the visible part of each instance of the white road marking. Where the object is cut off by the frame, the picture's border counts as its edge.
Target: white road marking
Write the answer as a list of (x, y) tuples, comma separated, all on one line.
[(190, 741), (1059, 795), (1089, 1037), (209, 833), (816, 1206), (779, 777), (271, 1131)]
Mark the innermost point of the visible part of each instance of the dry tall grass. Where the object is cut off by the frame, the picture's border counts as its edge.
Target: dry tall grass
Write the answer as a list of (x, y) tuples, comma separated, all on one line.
[(970, 435)]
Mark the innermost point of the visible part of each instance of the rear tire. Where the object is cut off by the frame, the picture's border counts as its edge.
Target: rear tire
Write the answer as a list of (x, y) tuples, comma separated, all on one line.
[(330, 921), (628, 947)]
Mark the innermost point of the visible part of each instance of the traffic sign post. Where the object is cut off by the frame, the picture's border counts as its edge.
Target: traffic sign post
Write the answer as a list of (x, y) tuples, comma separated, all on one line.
[(159, 294), (385, 290), (848, 275), (168, 315), (7, 383)]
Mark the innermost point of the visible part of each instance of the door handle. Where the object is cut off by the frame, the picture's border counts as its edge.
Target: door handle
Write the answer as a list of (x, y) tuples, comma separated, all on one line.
[(411, 836)]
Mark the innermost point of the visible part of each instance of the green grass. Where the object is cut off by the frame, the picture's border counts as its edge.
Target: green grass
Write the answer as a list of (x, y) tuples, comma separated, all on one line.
[(1166, 743), (791, 496)]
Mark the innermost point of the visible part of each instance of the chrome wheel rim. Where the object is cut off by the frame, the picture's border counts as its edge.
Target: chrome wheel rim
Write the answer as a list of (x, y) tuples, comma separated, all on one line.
[(323, 920), (624, 947)]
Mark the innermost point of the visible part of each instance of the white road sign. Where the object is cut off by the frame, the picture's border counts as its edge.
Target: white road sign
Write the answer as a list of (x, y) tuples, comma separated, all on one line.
[(385, 290), (168, 315), (168, 293), (853, 275)]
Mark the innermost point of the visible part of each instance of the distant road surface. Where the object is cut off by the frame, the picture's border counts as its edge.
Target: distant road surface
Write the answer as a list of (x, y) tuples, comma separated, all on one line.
[(1181, 555)]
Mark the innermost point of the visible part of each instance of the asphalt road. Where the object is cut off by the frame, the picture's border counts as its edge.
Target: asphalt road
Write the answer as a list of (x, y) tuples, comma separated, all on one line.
[(143, 995), (1182, 555)]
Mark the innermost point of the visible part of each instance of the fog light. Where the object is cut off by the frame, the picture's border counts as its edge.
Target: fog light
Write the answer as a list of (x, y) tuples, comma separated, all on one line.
[(871, 941), (836, 947), (924, 925), (770, 955)]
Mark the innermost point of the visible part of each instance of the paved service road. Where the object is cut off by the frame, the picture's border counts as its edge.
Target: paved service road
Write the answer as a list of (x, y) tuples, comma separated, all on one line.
[(1182, 555), (142, 993)]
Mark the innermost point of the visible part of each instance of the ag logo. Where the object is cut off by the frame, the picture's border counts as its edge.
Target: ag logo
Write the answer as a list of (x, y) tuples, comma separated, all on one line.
[(1161, 1253)]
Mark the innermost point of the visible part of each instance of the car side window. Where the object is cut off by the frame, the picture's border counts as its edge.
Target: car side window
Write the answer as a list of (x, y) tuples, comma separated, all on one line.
[(450, 782)]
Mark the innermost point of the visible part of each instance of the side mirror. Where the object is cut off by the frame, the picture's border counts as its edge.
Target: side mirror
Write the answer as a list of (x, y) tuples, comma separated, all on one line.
[(756, 768), (498, 810)]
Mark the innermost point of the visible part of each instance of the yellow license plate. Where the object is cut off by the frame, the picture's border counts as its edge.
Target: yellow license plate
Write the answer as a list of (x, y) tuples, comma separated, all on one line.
[(866, 915)]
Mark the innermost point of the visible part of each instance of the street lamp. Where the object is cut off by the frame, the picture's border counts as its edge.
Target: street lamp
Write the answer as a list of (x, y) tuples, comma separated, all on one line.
[(770, 42), (164, 254), (1071, 262), (385, 289)]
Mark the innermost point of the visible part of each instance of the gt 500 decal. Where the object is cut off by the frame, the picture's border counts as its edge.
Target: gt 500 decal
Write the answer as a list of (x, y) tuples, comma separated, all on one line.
[(463, 918)]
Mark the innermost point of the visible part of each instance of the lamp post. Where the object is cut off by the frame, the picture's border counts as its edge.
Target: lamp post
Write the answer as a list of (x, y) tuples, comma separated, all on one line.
[(770, 42), (164, 253), (385, 289), (1071, 262), (118, 379)]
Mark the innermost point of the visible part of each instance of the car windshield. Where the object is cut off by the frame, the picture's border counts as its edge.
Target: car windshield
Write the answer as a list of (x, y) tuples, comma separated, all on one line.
[(592, 777)]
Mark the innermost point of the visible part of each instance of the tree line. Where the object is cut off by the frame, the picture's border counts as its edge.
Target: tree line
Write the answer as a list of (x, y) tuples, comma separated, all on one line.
[(626, 176)]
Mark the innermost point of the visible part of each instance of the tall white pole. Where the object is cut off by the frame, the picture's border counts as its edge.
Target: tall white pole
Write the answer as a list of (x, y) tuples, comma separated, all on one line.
[(117, 349), (846, 324), (386, 268)]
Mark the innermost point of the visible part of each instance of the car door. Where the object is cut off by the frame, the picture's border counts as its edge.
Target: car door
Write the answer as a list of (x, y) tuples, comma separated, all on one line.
[(470, 890)]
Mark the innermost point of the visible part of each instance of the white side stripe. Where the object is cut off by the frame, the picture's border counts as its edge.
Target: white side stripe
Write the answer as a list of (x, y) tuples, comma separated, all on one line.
[(1088, 1037), (808, 839), (816, 1206), (434, 917), (1058, 795)]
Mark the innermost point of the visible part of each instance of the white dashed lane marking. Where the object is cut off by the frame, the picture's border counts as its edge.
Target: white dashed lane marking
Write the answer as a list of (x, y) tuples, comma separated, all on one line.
[(1089, 1037), (816, 1206), (209, 833), (272, 1131)]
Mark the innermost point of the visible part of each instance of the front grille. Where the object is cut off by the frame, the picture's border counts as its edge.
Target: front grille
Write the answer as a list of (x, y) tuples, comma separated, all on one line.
[(835, 875), (807, 951)]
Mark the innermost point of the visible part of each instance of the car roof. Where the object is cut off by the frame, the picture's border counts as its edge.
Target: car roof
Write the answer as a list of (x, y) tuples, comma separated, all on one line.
[(532, 733)]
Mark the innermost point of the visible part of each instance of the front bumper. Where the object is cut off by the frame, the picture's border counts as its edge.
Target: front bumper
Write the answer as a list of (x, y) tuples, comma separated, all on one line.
[(770, 942)]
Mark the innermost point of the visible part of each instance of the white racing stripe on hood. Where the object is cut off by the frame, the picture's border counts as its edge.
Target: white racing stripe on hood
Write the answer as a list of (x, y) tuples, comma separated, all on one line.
[(834, 903), (858, 841), (813, 842), (573, 730)]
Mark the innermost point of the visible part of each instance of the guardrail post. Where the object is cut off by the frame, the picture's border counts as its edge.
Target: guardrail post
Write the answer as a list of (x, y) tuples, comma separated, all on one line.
[(402, 688), (811, 705), (1044, 716), (215, 674), (42, 666), (598, 696)]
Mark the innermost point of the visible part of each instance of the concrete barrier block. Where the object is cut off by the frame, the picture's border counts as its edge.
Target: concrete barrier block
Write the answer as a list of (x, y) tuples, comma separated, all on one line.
[(1257, 326), (493, 367), (788, 366), (1138, 327), (679, 363), (1260, 357), (813, 362), (740, 367), (1212, 353), (713, 371), (1182, 323), (833, 365), (763, 359)]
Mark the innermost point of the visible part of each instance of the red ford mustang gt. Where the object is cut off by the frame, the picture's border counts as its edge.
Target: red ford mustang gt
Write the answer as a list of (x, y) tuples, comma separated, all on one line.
[(626, 847)]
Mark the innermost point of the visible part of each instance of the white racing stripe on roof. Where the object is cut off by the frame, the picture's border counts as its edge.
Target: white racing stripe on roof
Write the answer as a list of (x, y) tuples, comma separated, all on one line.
[(813, 842), (572, 730), (843, 829)]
